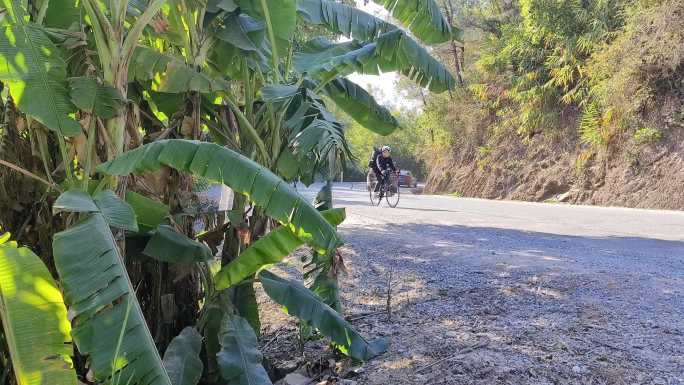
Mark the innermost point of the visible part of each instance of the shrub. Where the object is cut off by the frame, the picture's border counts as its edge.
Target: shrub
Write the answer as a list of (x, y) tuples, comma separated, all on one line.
[(647, 135)]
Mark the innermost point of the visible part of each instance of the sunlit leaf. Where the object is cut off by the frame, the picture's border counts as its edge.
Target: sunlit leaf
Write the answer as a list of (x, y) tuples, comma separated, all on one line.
[(149, 212), (343, 19), (269, 249), (283, 17), (170, 74), (215, 163), (108, 324), (33, 69), (34, 318), (361, 106), (242, 31), (391, 51), (423, 18)]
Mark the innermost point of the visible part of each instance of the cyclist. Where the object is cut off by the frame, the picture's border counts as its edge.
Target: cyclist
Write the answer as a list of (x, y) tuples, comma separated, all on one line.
[(380, 162)]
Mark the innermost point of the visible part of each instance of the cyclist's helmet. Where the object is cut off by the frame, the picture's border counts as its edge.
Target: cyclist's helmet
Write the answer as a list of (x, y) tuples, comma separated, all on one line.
[(386, 148)]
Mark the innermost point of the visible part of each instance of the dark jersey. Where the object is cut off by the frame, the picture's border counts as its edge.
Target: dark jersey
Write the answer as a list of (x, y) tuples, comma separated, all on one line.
[(383, 163)]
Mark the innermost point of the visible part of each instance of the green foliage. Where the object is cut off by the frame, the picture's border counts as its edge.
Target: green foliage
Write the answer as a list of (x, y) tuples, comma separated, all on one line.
[(116, 75), (269, 249), (90, 96), (590, 125), (168, 245), (219, 164), (343, 19), (361, 106), (34, 319), (108, 324), (542, 60), (182, 358), (149, 213), (299, 301), (643, 61), (391, 51), (168, 74), (423, 17), (116, 212), (33, 68), (539, 69), (647, 135), (239, 359), (282, 17)]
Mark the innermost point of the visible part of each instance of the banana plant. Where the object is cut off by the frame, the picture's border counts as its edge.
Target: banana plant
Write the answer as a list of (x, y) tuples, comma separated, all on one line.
[(301, 223), (34, 318), (106, 76), (108, 324)]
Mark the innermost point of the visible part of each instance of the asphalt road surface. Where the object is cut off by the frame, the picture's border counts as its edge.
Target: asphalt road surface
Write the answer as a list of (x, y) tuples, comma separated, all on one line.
[(498, 292)]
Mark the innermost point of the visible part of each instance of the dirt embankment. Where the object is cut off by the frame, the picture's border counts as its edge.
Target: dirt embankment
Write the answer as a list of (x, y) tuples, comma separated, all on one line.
[(629, 172)]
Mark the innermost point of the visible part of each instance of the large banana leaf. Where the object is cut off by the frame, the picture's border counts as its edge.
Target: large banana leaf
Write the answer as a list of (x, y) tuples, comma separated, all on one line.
[(169, 74), (62, 13), (149, 212), (361, 106), (100, 99), (290, 166), (312, 128), (269, 249), (214, 309), (302, 303), (276, 92), (343, 19), (182, 357), (241, 31), (327, 288), (282, 15), (116, 212), (34, 319), (239, 359), (169, 245), (313, 133), (243, 297), (391, 51), (422, 17), (33, 69), (219, 164), (108, 325)]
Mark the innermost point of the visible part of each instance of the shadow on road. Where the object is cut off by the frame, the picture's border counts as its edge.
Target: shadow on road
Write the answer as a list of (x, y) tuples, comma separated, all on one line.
[(540, 308)]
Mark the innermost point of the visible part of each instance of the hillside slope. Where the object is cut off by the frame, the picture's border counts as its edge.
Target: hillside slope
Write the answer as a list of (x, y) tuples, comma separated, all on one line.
[(581, 102), (523, 172)]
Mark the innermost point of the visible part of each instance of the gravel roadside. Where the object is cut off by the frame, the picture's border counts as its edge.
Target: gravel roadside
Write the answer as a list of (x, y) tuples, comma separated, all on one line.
[(486, 305)]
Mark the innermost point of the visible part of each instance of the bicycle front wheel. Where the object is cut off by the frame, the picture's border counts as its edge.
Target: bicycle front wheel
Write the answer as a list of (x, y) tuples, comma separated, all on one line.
[(392, 193)]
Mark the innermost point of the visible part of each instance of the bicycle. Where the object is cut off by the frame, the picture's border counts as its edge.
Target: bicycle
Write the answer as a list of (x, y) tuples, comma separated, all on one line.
[(389, 189)]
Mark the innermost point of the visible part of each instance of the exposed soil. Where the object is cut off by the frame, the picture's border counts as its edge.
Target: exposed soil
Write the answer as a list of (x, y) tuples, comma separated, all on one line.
[(479, 305)]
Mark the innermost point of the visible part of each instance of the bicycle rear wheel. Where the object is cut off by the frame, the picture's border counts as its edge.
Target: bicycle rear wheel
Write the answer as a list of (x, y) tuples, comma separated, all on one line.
[(392, 192), (371, 183)]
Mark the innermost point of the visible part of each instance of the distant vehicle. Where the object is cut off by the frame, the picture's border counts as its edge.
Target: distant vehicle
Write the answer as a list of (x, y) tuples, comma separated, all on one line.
[(406, 179)]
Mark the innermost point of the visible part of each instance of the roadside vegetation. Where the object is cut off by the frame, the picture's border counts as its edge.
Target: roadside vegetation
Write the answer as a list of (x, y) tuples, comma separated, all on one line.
[(115, 113), (590, 90)]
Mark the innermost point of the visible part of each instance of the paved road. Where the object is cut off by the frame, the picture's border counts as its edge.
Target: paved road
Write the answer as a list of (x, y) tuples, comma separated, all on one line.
[(556, 294), (525, 216)]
